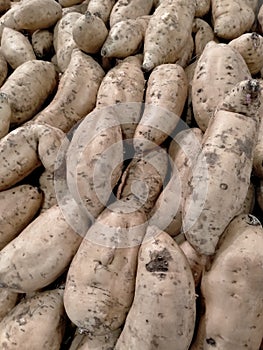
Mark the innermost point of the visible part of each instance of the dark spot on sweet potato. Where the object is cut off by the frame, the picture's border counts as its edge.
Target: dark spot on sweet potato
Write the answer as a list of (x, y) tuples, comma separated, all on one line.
[(159, 261)]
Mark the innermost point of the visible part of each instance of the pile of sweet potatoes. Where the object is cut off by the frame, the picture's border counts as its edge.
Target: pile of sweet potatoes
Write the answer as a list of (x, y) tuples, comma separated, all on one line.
[(131, 175)]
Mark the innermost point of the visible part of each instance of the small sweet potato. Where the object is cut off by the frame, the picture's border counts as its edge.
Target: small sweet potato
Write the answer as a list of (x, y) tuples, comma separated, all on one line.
[(203, 34), (89, 32), (102, 8), (42, 42)]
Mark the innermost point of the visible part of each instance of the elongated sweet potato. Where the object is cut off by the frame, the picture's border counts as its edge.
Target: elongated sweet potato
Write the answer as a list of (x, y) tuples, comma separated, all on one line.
[(162, 315), (232, 289), (18, 206), (166, 94), (223, 168), (5, 114), (64, 43), (43, 311), (122, 88), (101, 278), (144, 178), (24, 149), (167, 32), (40, 254), (16, 47), (27, 89), (94, 160), (76, 94), (167, 211), (218, 70)]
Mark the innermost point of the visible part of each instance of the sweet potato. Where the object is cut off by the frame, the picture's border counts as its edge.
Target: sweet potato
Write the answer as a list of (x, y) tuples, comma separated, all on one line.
[(5, 114), (40, 253), (67, 3), (94, 160), (76, 94), (122, 89), (46, 183), (232, 19), (223, 168), (232, 289), (16, 47), (28, 87), (202, 7), (167, 211), (89, 32), (8, 300), (64, 43), (42, 42), (165, 97), (167, 32), (250, 46), (162, 315), (18, 206), (81, 8), (3, 69), (196, 261), (43, 311), (185, 55), (125, 37), (101, 7), (218, 70), (101, 278), (37, 14), (203, 34), (144, 178), (24, 149), (123, 9)]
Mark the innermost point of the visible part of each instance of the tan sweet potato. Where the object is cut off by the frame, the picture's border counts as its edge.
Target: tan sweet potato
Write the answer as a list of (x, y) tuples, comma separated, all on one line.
[(125, 37), (16, 47), (101, 7), (24, 149), (165, 97), (67, 3), (46, 183), (64, 43), (122, 89), (250, 46), (223, 168), (5, 114), (42, 42), (218, 70), (101, 278), (3, 69), (123, 9), (18, 206), (167, 211), (89, 33), (232, 18), (202, 7), (167, 32), (36, 14), (28, 87), (8, 300), (232, 289), (94, 160), (44, 312), (76, 94), (162, 315), (203, 34), (144, 178), (40, 254)]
